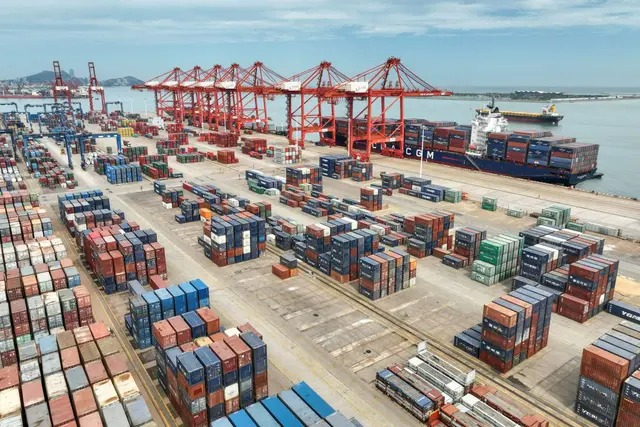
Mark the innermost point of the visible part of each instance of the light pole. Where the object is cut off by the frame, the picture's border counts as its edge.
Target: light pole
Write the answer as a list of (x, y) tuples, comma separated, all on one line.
[(422, 131)]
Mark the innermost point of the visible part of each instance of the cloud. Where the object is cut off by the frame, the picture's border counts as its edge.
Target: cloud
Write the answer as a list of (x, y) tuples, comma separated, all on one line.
[(224, 21)]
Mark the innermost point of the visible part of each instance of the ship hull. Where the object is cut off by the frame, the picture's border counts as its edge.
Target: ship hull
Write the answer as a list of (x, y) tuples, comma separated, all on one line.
[(552, 120), (517, 170), (21, 96)]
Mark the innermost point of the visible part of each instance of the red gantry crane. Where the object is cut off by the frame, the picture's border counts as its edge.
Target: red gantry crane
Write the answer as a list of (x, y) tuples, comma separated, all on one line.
[(382, 88), (95, 88), (60, 89), (190, 96), (212, 98), (166, 93), (247, 92), (314, 109)]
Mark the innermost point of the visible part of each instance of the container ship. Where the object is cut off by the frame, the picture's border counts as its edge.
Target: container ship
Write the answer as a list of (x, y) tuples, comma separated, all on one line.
[(549, 115), (486, 145)]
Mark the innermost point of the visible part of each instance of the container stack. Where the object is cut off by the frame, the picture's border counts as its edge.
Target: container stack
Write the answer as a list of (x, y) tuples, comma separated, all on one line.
[(157, 170), (371, 198), (329, 166), (190, 158), (208, 373), (133, 154), (72, 378), (168, 303), (386, 273), (497, 144), (498, 259), (231, 239), (261, 209), (287, 155), (452, 196), (423, 189), (574, 157), (557, 216), (171, 198), (255, 144), (514, 327), (287, 267), (392, 181), (490, 204), (362, 171), (120, 253), (298, 175), (190, 212), (102, 161), (430, 231), (609, 383), (590, 287), (466, 247), (227, 157), (123, 174), (346, 250)]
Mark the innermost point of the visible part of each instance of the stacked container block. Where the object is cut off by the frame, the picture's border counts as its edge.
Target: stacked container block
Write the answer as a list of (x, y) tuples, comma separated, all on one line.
[(168, 303), (515, 327), (430, 231), (498, 259), (231, 239), (466, 247), (208, 373), (609, 383), (386, 273)]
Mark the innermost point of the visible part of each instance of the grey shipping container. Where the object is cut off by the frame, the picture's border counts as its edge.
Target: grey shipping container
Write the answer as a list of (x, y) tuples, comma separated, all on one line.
[(301, 410), (51, 363), (76, 378), (114, 416), (261, 416), (38, 415), (137, 412), (337, 419)]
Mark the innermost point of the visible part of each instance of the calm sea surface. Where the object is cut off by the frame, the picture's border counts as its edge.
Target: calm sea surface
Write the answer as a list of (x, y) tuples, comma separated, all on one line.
[(615, 125)]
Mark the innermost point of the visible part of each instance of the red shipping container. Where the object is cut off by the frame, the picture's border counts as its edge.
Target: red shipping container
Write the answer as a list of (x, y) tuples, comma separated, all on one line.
[(60, 410), (32, 393), (9, 377), (260, 385), (189, 346), (210, 319), (84, 402), (91, 420), (69, 357), (242, 350), (603, 367), (116, 364), (183, 332), (227, 357), (232, 405), (99, 330), (164, 334), (500, 314)]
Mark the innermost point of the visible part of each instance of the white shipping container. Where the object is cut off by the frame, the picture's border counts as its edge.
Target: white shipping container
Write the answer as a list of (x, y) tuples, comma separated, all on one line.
[(11, 404), (126, 386), (12, 421), (105, 393), (29, 371), (230, 392), (55, 385), (232, 332)]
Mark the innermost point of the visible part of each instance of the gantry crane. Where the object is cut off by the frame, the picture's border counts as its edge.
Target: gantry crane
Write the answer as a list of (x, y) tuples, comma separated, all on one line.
[(310, 107), (59, 86), (166, 93), (94, 87), (382, 88), (212, 98), (247, 92)]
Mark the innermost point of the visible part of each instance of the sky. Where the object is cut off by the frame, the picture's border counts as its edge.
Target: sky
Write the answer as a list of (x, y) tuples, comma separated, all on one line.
[(458, 43)]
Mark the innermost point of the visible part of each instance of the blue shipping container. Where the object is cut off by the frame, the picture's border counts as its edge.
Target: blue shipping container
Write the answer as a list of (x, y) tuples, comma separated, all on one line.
[(191, 296), (241, 419), (313, 399), (280, 412)]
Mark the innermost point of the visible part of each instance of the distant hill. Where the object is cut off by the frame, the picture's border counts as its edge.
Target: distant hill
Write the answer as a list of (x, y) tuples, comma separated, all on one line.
[(46, 77), (121, 81)]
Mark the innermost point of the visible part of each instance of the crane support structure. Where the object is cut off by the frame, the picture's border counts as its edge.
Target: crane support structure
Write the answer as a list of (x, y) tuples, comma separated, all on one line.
[(60, 89), (310, 107), (95, 88)]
